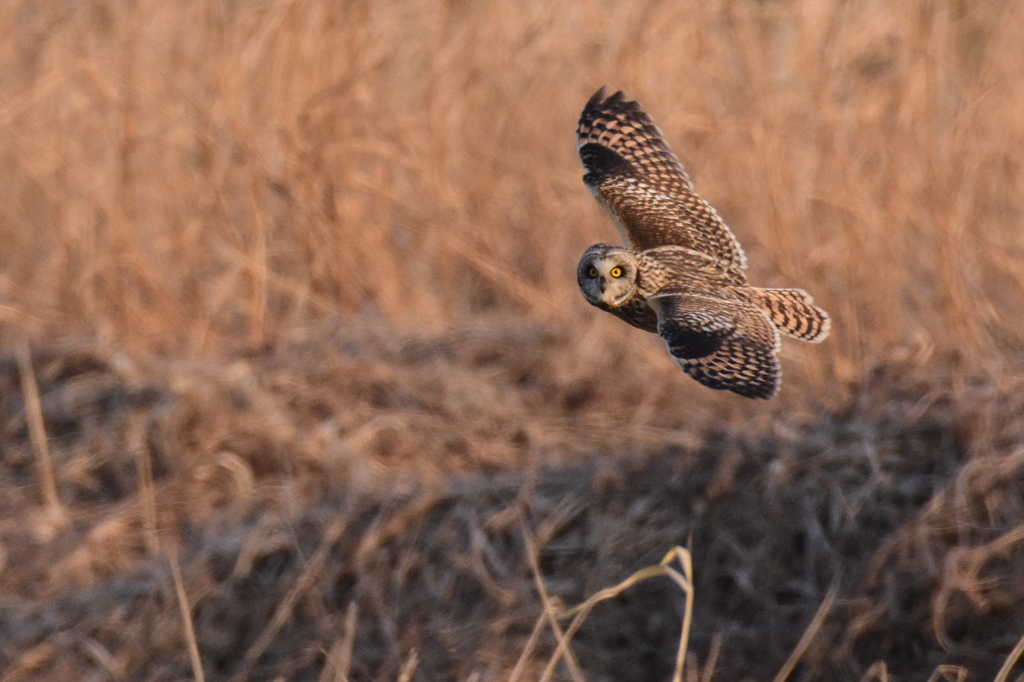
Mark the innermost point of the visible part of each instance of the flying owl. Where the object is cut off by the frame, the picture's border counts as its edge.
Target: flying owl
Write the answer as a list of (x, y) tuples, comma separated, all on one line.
[(681, 274)]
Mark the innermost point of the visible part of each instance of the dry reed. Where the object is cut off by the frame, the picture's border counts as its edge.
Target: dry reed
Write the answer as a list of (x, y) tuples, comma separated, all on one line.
[(185, 179)]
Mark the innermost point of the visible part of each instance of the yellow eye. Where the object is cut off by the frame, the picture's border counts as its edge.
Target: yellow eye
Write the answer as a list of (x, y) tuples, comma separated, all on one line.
[(616, 272), (593, 272)]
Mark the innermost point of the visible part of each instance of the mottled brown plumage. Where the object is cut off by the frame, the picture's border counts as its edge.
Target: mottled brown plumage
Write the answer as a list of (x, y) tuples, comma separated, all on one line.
[(637, 178), (682, 273)]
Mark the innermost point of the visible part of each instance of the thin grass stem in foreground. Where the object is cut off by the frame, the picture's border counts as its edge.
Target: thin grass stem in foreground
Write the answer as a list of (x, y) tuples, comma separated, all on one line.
[(582, 611)]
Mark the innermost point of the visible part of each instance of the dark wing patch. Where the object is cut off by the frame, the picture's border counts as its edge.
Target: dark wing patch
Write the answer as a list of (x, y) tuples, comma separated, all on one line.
[(725, 345), (624, 128), (693, 326), (634, 174)]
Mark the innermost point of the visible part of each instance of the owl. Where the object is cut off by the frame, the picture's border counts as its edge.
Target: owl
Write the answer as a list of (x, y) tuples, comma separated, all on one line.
[(681, 274)]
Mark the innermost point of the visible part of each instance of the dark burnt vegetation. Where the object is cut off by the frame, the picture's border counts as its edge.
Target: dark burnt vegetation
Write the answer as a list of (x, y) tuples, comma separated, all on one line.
[(269, 474)]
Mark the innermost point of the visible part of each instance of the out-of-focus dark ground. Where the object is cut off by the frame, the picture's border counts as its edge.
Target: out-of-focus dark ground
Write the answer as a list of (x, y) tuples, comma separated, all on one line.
[(308, 268)]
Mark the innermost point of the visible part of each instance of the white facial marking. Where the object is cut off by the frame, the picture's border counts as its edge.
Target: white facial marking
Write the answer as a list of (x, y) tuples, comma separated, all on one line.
[(611, 289)]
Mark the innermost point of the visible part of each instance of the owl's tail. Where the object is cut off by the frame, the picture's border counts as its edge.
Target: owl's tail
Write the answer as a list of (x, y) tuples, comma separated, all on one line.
[(793, 312)]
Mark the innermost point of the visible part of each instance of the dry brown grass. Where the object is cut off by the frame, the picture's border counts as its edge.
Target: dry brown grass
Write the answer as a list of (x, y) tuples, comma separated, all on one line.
[(308, 267), (181, 177), (399, 472)]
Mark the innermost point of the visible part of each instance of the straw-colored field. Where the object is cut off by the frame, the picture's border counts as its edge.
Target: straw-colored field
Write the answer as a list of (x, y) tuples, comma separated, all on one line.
[(297, 279)]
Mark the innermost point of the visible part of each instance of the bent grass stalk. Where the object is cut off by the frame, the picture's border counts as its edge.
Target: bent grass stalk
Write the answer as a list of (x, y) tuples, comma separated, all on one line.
[(582, 611)]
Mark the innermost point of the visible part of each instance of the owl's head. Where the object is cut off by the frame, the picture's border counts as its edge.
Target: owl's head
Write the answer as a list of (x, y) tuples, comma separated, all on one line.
[(607, 274)]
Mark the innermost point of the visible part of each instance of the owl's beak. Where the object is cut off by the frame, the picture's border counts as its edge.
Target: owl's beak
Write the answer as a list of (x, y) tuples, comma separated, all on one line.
[(603, 284)]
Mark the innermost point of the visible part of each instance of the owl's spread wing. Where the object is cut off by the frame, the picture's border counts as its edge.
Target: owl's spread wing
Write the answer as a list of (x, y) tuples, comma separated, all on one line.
[(725, 345), (640, 182)]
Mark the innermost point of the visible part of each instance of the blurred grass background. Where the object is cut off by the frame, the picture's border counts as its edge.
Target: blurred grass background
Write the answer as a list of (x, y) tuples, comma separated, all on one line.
[(185, 178), (298, 278)]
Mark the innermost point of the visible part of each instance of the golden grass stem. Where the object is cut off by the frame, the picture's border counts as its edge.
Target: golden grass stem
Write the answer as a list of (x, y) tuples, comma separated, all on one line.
[(538, 628), (1011, 660), (339, 660), (305, 580), (809, 634), (258, 291), (878, 671), (186, 617), (708, 671), (549, 608), (33, 659), (662, 569), (37, 432), (949, 673), (409, 668), (147, 497)]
